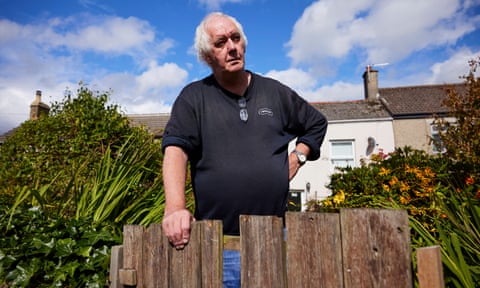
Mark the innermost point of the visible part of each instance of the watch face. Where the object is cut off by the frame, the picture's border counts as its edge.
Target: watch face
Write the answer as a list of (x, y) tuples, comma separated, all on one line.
[(301, 158)]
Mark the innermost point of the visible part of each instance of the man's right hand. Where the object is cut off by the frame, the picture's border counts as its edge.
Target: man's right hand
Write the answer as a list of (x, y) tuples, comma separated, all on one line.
[(176, 226)]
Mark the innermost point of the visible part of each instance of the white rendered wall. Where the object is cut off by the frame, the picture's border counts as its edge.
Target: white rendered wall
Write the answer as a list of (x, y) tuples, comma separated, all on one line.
[(318, 172)]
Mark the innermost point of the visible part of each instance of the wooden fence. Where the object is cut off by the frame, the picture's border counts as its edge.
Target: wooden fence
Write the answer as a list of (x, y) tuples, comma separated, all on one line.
[(353, 248)]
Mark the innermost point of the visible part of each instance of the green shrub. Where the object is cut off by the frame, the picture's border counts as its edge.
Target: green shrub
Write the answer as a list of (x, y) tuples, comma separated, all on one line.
[(38, 250)]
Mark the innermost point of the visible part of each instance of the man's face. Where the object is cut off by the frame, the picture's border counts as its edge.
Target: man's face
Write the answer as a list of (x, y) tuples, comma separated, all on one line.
[(227, 46)]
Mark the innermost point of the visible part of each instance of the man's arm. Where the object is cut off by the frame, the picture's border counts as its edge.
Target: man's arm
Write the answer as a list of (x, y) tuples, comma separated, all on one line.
[(176, 221)]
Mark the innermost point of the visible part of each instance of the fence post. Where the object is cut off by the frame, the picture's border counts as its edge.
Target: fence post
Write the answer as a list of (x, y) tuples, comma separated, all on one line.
[(262, 252), (314, 250), (376, 248), (429, 267), (132, 271), (116, 263)]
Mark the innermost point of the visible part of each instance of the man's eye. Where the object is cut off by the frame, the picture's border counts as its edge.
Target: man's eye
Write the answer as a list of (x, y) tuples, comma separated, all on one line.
[(219, 44)]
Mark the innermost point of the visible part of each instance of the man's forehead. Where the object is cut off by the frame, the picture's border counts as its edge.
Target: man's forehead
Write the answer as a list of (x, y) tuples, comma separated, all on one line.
[(221, 26)]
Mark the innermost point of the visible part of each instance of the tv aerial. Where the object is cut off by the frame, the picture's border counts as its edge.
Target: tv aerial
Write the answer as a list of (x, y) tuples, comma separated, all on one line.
[(370, 67)]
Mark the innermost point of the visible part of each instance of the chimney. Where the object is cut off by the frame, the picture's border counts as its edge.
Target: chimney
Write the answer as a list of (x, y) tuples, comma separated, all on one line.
[(38, 108), (370, 82)]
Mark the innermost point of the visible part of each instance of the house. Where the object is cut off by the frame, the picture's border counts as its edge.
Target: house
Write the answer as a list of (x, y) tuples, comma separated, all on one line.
[(154, 123), (356, 129), (413, 109)]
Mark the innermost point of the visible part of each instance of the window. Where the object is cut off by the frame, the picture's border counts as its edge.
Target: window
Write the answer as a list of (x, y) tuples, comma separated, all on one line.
[(294, 200), (342, 154), (437, 145)]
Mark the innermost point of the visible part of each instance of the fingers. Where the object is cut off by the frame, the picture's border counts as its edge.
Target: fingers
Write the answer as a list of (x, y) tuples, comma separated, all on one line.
[(293, 166), (176, 226)]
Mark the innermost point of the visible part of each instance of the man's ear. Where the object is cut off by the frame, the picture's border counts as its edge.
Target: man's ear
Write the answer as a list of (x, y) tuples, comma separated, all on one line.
[(207, 58)]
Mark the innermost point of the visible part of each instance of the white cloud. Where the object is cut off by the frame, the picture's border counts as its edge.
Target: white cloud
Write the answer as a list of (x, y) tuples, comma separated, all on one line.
[(157, 78), (374, 31), (295, 78), (305, 85), (53, 55), (451, 69), (216, 4)]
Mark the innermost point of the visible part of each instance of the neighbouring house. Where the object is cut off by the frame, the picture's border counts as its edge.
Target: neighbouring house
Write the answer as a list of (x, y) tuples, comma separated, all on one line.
[(154, 123), (386, 119), (413, 109), (356, 129)]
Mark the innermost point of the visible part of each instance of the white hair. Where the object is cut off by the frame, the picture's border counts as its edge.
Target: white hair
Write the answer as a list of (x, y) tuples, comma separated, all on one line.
[(202, 38)]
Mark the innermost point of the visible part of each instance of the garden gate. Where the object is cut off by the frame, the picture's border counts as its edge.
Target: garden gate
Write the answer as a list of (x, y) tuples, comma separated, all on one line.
[(352, 248)]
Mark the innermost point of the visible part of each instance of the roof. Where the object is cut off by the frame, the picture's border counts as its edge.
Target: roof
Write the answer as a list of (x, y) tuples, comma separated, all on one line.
[(4, 136), (352, 110), (417, 101), (155, 123)]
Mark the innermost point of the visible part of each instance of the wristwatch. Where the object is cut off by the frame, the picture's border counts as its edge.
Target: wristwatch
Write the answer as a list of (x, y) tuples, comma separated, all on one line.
[(300, 156)]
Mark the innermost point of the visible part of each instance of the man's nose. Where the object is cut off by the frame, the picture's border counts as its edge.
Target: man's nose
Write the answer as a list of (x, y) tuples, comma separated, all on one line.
[(230, 44)]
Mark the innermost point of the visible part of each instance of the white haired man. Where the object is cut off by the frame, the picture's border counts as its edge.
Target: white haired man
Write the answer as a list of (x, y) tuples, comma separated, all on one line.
[(234, 127)]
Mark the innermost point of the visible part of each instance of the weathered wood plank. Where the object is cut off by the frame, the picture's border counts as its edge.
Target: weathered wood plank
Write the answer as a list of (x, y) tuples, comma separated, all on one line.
[(212, 253), (185, 268), (155, 257), (314, 250), (429, 267), (262, 252), (376, 248), (133, 250), (116, 263)]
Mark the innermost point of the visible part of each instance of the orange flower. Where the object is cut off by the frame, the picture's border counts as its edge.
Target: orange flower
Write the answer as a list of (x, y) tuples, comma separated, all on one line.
[(477, 196), (428, 172), (393, 181), (405, 200), (469, 181), (404, 187), (383, 171)]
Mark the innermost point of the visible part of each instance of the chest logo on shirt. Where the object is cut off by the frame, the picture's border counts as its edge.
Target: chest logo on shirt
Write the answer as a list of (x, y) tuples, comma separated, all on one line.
[(265, 112)]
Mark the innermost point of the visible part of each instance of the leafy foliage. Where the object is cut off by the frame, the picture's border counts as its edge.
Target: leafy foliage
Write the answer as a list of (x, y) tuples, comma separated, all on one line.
[(70, 139), (461, 139), (68, 183), (40, 251)]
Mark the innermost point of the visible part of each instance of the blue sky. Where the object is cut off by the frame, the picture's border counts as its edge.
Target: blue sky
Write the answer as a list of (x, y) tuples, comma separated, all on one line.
[(142, 49)]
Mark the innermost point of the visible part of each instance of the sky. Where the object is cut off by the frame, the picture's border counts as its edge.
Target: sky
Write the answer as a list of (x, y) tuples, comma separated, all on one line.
[(142, 50)]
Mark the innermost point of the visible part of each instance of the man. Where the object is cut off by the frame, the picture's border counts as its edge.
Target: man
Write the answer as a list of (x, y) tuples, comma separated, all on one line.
[(234, 127)]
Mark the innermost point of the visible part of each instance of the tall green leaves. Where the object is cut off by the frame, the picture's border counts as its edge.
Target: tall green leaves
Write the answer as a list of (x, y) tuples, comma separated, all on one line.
[(123, 183), (457, 234)]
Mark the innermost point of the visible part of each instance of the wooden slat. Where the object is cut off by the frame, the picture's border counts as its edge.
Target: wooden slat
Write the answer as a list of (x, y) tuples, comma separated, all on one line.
[(185, 264), (116, 263), (429, 267), (212, 253), (155, 257), (262, 252), (314, 250), (133, 250), (376, 248)]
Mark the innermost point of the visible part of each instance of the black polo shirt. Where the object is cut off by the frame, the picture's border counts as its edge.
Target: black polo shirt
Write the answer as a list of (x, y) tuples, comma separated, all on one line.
[(241, 167)]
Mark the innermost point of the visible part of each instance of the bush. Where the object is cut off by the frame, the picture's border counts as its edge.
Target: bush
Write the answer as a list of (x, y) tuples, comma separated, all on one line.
[(38, 250)]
